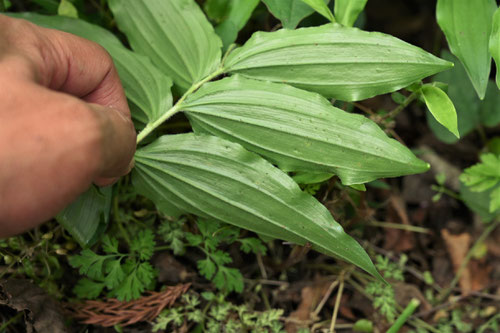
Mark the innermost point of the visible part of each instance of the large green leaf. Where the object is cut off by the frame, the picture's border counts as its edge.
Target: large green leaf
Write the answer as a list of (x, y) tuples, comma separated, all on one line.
[(175, 34), (489, 109), (86, 218), (347, 11), (340, 62), (320, 7), (467, 26), (218, 179), (145, 85), (441, 107), (298, 130), (239, 13), (495, 43), (290, 13)]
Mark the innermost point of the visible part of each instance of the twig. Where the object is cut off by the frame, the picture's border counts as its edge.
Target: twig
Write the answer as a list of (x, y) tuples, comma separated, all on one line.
[(405, 227), (337, 302), (325, 298), (401, 107)]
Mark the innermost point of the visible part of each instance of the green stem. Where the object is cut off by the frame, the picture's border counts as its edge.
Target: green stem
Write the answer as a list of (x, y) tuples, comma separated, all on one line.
[(150, 127), (405, 227), (402, 106), (407, 312), (14, 318), (118, 220), (446, 292)]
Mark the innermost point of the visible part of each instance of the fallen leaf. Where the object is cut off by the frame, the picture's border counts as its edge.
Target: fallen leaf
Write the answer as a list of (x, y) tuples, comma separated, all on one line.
[(458, 246), (42, 314)]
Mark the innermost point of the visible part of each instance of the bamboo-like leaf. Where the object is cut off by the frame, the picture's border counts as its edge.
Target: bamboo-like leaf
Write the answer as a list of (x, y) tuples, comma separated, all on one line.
[(145, 85), (495, 43), (238, 15), (298, 130), (347, 11), (340, 62), (218, 179), (290, 13), (175, 34), (321, 7), (441, 107), (87, 217), (467, 27)]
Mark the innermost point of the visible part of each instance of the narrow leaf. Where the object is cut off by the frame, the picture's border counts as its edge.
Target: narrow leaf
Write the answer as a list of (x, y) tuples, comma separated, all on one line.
[(467, 26), (290, 13), (463, 96), (220, 180), (347, 11), (495, 43), (339, 62), (145, 85), (175, 34), (298, 130), (441, 107), (321, 7), (86, 218)]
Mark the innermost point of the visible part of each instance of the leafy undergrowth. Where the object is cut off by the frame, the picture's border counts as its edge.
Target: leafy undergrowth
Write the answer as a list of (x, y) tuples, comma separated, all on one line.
[(151, 272)]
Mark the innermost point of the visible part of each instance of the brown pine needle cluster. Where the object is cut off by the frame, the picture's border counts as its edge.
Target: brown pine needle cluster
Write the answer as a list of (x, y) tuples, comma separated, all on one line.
[(112, 312)]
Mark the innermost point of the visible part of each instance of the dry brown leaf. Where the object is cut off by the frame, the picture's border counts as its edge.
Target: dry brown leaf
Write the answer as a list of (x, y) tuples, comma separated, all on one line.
[(458, 246), (42, 314)]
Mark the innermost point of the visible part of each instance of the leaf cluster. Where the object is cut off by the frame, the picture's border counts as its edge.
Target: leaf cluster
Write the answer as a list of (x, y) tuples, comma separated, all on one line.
[(221, 316), (485, 176), (123, 275), (214, 267)]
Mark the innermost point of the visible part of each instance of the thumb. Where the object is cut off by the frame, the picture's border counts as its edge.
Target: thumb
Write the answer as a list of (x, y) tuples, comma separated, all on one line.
[(118, 144)]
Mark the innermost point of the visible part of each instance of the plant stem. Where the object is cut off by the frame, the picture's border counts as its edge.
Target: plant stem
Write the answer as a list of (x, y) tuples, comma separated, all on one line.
[(14, 318), (408, 311), (150, 127), (467, 258), (402, 106), (405, 227), (118, 220)]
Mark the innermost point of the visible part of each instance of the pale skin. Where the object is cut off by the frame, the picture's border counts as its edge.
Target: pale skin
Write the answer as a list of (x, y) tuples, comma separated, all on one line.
[(64, 123)]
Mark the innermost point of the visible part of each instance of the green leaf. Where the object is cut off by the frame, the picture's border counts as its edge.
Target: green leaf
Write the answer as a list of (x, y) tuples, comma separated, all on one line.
[(143, 244), (174, 34), (483, 176), (228, 279), (207, 268), (489, 109), (87, 217), (89, 263), (441, 107), (145, 85), (218, 179), (495, 43), (253, 245), (305, 178), (109, 245), (66, 8), (290, 12), (88, 289), (137, 278), (467, 26), (298, 130), (347, 11), (238, 15), (461, 93), (340, 62), (478, 202), (321, 7), (495, 200), (115, 274)]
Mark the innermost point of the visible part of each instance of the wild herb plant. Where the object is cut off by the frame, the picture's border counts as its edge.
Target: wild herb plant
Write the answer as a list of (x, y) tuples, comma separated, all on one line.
[(259, 112)]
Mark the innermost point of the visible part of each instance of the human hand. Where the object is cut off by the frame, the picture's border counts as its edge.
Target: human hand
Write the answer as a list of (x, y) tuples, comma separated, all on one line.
[(64, 122)]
